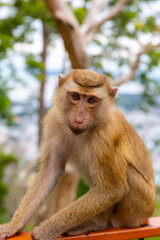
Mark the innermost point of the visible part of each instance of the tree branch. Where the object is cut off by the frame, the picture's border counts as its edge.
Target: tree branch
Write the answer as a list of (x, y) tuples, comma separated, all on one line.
[(90, 18), (68, 27), (61, 12), (114, 12), (91, 25), (134, 65)]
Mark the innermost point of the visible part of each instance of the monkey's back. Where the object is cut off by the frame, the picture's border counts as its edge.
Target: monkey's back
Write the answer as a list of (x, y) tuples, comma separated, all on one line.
[(137, 155)]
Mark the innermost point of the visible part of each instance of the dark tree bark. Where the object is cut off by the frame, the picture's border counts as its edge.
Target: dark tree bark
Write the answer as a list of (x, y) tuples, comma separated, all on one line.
[(41, 110)]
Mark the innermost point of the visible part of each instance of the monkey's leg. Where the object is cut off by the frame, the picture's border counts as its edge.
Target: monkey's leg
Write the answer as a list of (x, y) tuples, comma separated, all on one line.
[(97, 223), (138, 205), (97, 200)]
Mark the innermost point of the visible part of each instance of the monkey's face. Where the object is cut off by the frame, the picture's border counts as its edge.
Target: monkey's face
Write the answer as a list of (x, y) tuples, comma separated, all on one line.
[(81, 111), (83, 99)]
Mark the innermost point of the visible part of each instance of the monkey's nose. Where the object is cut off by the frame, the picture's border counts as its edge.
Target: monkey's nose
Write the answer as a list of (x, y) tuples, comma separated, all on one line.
[(78, 119), (79, 116)]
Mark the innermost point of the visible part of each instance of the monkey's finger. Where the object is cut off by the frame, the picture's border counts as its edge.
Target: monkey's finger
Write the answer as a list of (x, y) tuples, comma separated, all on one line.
[(3, 236)]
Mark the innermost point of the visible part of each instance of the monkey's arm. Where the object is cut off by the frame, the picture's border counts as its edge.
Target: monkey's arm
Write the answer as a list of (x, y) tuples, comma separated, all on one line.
[(47, 177), (94, 202)]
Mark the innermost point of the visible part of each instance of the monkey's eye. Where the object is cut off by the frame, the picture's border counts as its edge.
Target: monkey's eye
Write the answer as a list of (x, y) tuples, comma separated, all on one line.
[(75, 96), (92, 100)]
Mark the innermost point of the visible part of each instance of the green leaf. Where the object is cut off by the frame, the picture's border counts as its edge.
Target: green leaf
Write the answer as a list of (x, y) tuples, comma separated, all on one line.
[(80, 14)]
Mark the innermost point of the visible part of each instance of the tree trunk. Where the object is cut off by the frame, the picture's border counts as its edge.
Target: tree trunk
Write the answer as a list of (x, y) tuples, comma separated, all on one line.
[(65, 192), (68, 27), (41, 110)]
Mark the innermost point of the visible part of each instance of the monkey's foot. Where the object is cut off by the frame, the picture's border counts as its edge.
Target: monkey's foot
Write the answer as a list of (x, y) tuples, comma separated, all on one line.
[(36, 234)]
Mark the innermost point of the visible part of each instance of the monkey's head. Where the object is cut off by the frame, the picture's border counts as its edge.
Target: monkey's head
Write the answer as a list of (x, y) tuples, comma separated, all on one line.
[(84, 97)]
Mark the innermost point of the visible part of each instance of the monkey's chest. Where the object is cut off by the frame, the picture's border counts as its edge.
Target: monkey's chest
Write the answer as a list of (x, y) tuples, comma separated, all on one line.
[(84, 161)]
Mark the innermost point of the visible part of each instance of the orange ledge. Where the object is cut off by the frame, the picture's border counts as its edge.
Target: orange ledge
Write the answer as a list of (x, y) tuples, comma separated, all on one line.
[(151, 228)]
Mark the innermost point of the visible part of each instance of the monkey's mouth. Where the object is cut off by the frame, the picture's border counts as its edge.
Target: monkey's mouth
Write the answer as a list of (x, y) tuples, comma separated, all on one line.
[(77, 130)]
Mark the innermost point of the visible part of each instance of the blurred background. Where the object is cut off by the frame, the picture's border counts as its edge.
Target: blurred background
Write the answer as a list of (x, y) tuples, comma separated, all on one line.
[(40, 39)]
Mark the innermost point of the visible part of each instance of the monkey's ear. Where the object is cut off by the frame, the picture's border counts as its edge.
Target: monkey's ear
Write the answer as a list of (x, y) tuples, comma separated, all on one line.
[(113, 92), (61, 80)]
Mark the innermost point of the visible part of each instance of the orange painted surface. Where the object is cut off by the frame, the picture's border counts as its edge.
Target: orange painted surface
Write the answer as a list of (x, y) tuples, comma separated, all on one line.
[(21, 236), (151, 228)]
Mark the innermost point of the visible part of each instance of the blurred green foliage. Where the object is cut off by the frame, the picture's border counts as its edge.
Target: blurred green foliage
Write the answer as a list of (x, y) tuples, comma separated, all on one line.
[(18, 27), (26, 28), (5, 103), (35, 66), (82, 188), (80, 13), (5, 160)]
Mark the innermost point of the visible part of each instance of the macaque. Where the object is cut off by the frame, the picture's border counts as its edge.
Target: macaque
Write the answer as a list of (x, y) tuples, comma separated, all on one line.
[(86, 129)]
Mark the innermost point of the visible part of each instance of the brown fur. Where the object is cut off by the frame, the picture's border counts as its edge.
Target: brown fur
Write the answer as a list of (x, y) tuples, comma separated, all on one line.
[(88, 79), (104, 147)]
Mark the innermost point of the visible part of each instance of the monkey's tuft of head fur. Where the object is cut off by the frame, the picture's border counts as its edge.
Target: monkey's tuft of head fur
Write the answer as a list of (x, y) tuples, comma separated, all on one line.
[(88, 78)]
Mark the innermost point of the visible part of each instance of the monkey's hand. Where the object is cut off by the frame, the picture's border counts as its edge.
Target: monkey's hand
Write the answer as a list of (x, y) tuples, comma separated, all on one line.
[(7, 230), (43, 232)]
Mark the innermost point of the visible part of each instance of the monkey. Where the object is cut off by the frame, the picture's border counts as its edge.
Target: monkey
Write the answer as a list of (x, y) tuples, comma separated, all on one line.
[(85, 128)]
